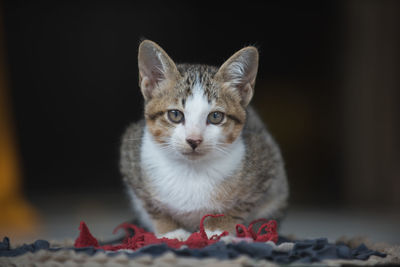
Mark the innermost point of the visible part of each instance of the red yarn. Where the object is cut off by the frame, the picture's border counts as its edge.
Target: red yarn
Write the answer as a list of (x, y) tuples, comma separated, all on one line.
[(269, 227), (199, 239), (85, 239)]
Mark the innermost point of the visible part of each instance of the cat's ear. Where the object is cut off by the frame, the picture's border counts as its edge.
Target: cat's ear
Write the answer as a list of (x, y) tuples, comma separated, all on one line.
[(155, 68), (239, 73)]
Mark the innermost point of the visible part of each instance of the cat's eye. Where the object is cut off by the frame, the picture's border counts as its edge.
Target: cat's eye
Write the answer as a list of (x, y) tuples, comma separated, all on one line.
[(215, 117), (175, 116)]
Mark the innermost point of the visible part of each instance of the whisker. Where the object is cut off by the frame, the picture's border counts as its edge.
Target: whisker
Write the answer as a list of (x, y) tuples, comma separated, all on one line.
[(222, 150)]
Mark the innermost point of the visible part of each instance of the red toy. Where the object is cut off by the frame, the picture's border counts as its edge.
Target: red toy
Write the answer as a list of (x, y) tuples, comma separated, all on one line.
[(199, 239)]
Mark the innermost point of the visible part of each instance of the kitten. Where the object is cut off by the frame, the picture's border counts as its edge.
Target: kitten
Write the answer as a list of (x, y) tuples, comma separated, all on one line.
[(200, 149)]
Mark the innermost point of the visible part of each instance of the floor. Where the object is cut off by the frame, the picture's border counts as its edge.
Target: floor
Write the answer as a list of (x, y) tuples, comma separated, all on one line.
[(60, 217)]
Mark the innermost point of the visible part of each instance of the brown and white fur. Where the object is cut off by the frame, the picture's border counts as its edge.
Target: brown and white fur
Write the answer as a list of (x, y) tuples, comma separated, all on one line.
[(178, 172)]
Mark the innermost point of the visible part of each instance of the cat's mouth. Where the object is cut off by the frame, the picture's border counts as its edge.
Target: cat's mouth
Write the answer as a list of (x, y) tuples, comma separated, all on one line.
[(192, 154)]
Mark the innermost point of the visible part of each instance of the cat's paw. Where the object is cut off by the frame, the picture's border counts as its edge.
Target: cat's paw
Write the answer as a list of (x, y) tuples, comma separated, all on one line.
[(226, 239), (180, 234), (211, 233), (231, 239)]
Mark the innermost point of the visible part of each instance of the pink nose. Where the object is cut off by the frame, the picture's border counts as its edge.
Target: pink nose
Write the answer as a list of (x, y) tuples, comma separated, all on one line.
[(194, 142)]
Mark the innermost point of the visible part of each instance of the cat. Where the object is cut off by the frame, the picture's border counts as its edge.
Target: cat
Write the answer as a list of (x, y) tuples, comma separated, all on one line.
[(200, 149)]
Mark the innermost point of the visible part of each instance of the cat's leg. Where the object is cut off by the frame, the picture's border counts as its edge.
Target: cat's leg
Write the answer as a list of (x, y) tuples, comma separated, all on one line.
[(165, 226), (217, 225)]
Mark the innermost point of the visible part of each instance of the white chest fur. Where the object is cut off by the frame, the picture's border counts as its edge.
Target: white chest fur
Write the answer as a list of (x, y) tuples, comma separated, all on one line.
[(186, 186)]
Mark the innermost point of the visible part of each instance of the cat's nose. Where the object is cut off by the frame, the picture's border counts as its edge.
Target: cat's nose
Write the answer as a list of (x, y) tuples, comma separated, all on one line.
[(194, 142)]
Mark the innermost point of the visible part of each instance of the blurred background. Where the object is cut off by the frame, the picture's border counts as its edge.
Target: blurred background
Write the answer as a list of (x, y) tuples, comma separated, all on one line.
[(327, 87)]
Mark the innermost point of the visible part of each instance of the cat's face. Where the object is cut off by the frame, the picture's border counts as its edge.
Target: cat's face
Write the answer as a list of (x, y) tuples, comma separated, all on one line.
[(193, 110), (195, 117)]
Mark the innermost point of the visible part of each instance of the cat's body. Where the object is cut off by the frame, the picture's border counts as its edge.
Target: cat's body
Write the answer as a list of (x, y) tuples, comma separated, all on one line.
[(201, 149)]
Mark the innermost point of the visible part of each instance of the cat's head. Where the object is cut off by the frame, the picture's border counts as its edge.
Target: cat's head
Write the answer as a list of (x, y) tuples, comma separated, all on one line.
[(195, 110)]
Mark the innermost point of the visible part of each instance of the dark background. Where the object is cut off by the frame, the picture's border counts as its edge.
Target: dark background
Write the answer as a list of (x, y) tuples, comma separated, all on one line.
[(328, 87)]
